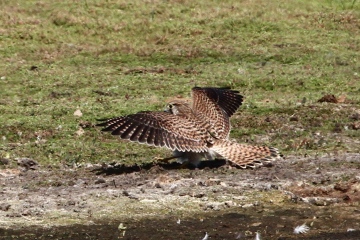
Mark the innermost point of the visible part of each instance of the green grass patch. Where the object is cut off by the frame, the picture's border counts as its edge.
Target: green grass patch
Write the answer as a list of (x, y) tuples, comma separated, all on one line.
[(110, 58)]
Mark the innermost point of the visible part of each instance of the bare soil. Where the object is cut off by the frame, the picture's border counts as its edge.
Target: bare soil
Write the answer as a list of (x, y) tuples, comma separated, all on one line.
[(166, 201)]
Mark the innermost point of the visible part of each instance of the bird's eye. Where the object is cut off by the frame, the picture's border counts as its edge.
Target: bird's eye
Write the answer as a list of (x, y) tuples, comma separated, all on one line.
[(170, 106)]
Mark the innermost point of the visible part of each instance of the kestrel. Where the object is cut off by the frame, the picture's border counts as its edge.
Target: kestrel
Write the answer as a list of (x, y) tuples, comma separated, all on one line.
[(195, 131)]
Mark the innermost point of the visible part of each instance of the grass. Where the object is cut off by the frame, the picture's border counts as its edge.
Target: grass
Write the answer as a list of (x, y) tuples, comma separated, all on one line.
[(110, 58)]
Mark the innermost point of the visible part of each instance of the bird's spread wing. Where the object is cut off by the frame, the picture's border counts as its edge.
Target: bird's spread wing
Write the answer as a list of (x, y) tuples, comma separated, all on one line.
[(159, 129), (216, 106)]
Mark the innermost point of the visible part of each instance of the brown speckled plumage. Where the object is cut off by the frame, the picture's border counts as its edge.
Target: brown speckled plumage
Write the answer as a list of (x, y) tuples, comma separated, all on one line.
[(195, 131)]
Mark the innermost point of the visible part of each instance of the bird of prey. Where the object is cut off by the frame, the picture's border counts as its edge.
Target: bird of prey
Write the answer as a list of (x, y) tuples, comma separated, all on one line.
[(196, 131)]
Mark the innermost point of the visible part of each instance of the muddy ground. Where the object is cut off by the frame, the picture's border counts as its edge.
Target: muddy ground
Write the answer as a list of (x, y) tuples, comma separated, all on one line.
[(164, 201)]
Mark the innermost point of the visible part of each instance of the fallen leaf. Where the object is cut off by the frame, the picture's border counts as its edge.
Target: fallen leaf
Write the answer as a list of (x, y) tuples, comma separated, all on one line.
[(78, 113), (341, 99), (355, 125), (80, 132), (328, 98)]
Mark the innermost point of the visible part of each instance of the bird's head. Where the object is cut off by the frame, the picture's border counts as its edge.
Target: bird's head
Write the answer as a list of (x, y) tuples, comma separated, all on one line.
[(178, 107)]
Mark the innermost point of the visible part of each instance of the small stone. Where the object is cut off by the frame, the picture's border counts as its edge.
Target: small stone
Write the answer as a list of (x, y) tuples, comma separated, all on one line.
[(255, 224), (4, 161), (346, 198), (355, 116), (214, 206), (100, 180), (294, 118), (211, 182), (248, 205), (320, 201), (5, 206), (14, 214), (27, 163), (70, 203), (148, 201), (223, 184), (199, 195), (342, 187), (230, 204)]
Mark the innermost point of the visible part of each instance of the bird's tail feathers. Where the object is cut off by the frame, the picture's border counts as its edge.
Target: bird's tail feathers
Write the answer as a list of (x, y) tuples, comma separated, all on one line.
[(245, 155)]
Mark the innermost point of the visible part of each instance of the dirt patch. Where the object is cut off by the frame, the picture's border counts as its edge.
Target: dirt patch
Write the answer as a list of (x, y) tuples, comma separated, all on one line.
[(166, 202)]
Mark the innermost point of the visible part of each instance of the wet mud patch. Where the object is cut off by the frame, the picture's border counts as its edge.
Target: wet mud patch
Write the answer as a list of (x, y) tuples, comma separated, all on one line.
[(169, 202)]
